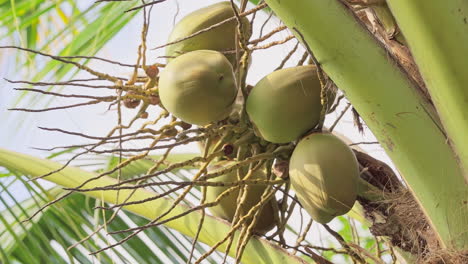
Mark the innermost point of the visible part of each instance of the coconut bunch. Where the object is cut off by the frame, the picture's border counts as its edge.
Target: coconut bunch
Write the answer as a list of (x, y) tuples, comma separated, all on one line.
[(199, 87), (257, 141), (281, 116), (264, 148)]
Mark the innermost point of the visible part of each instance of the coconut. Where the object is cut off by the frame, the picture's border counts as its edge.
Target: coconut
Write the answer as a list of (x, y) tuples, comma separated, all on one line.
[(221, 38), (286, 103), (324, 173), (227, 206), (198, 87)]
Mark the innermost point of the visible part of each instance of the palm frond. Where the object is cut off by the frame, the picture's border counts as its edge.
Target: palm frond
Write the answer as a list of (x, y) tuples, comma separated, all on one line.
[(47, 237), (256, 250), (64, 27)]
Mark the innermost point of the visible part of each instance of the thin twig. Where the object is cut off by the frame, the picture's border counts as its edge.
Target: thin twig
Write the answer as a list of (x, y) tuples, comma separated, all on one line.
[(55, 108), (270, 34), (257, 8), (364, 143), (58, 58), (339, 117), (145, 5), (344, 244), (273, 43), (288, 56)]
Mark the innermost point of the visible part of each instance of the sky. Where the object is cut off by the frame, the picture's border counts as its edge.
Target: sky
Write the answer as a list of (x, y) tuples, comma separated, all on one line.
[(19, 131)]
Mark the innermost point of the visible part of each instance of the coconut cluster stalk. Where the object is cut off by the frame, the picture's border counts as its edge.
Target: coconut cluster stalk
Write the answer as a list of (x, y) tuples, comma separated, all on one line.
[(403, 121)]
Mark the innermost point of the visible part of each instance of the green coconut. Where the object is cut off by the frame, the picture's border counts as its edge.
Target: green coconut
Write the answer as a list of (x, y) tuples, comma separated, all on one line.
[(286, 103), (198, 87), (324, 173), (222, 38), (227, 206)]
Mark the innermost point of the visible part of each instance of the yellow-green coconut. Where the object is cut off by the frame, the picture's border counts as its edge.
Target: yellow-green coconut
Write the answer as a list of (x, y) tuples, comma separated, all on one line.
[(221, 38), (198, 87), (227, 207), (286, 104), (324, 173)]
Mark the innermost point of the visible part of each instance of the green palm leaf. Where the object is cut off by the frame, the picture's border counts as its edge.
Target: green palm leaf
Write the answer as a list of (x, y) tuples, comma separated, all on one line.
[(47, 237), (257, 250), (60, 25)]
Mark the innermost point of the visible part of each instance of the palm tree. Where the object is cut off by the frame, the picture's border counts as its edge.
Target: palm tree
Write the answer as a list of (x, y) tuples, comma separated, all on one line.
[(411, 132)]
